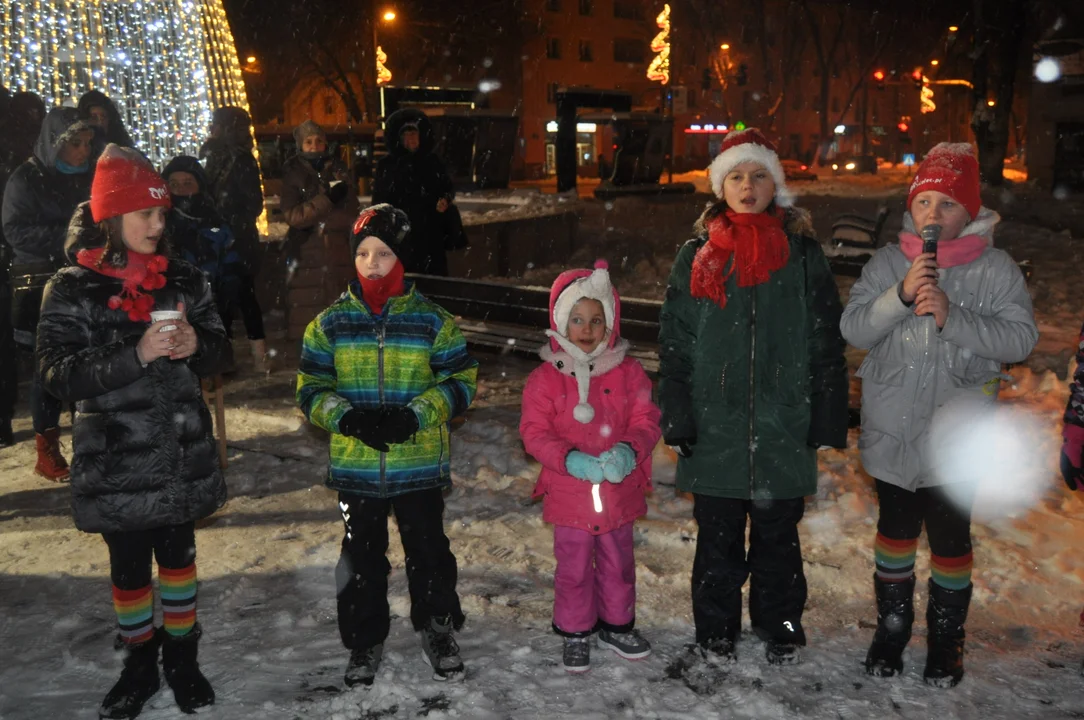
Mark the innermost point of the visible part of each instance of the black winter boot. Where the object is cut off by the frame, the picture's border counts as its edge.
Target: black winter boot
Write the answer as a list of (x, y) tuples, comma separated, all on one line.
[(895, 616), (191, 689), (137, 684), (946, 614)]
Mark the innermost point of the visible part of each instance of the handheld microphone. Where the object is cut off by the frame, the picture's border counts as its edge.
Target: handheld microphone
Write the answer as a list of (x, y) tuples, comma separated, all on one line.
[(930, 234)]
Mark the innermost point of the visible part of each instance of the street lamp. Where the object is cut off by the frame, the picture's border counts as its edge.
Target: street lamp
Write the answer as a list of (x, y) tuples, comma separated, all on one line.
[(935, 62), (389, 15), (250, 59), (724, 46), (953, 28)]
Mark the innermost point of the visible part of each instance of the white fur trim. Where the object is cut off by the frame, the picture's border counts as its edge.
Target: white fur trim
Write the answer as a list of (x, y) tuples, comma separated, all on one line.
[(727, 160), (595, 286), (604, 363), (983, 225)]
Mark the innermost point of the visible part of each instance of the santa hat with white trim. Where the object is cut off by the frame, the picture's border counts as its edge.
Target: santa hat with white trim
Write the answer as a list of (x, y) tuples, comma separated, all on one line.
[(750, 145)]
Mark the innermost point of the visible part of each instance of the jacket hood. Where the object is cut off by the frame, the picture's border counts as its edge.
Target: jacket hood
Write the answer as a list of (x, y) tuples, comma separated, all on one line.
[(307, 129), (399, 121), (983, 225), (83, 233), (190, 165), (796, 220), (117, 133), (235, 125), (592, 284), (60, 124)]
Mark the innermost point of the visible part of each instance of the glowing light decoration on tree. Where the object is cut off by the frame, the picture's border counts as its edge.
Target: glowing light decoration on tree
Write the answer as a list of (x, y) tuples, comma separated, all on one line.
[(166, 64), (383, 75), (659, 69), (926, 96)]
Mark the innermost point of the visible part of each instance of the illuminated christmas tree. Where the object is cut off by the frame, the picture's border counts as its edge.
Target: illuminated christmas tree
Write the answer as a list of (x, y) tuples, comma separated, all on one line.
[(166, 64)]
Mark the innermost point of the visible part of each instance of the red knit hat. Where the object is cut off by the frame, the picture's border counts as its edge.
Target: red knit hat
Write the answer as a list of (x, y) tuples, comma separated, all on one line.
[(952, 169), (750, 145), (125, 181)]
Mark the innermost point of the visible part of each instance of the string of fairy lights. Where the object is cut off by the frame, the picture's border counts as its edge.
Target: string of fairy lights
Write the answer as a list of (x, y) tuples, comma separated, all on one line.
[(165, 64)]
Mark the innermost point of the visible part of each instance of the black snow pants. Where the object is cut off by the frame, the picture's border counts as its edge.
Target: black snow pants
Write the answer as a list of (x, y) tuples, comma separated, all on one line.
[(777, 590), (362, 573)]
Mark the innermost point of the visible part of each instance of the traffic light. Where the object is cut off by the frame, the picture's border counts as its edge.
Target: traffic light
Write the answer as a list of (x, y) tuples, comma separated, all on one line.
[(916, 76), (743, 74), (705, 80), (879, 79), (904, 127)]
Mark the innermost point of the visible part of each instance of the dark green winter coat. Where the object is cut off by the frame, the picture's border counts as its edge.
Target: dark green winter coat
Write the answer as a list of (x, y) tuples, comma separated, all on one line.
[(759, 384)]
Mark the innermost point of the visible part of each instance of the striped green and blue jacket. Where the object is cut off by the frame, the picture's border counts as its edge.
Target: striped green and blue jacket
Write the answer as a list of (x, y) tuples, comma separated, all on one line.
[(411, 354)]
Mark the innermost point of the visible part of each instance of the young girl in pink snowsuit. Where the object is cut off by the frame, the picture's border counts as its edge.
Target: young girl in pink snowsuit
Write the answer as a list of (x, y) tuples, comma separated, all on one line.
[(589, 419)]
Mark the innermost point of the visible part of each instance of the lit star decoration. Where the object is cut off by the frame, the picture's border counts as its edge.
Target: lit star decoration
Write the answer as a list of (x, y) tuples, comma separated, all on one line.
[(383, 75), (165, 64), (659, 69)]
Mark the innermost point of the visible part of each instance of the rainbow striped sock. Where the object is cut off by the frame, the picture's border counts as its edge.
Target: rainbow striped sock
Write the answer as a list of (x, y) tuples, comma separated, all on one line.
[(135, 614), (895, 558), (178, 588), (951, 573)]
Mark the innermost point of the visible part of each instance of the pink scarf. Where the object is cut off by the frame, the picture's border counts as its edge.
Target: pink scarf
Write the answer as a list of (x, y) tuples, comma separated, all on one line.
[(950, 253)]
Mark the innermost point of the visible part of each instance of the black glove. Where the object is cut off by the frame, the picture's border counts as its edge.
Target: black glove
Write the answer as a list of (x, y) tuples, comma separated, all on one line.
[(397, 424), (1074, 476), (365, 426), (682, 446), (336, 192)]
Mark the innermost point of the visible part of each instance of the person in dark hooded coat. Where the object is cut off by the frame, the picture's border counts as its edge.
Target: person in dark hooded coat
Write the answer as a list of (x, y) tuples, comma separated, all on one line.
[(39, 200), (20, 129), (233, 177), (9, 379), (98, 110), (412, 178), (145, 466)]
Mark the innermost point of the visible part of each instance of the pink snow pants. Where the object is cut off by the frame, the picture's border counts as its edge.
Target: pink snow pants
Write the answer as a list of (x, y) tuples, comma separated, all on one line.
[(595, 581)]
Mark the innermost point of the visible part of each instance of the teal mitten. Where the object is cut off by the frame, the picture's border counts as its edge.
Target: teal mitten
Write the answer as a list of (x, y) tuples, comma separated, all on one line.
[(585, 467), (618, 462)]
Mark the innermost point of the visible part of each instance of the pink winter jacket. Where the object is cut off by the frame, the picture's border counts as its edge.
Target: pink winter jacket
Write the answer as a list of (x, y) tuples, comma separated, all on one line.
[(624, 412)]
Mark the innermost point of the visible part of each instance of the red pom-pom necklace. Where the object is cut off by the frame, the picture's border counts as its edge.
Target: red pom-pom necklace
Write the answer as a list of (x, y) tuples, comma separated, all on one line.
[(143, 274)]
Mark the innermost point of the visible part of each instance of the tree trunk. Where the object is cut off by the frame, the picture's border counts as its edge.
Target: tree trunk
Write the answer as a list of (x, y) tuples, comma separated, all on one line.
[(999, 26)]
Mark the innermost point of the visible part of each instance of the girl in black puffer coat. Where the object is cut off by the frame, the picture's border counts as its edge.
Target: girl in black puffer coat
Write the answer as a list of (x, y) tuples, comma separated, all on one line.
[(144, 467)]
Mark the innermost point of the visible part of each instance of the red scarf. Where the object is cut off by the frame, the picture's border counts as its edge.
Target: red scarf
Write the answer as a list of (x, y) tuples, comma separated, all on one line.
[(141, 273), (950, 253), (375, 293), (755, 241)]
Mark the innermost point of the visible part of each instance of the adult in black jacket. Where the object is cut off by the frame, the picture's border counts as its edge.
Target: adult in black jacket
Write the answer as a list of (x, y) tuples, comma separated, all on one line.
[(39, 200), (145, 467), (234, 181), (8, 378), (412, 178), (96, 109), (20, 129)]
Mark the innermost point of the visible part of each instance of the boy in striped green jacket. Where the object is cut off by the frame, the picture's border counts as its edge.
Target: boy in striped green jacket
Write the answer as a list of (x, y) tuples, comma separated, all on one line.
[(384, 370)]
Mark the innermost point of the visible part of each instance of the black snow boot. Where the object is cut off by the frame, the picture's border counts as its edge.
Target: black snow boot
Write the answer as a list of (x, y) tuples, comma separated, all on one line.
[(895, 616), (191, 689), (440, 650), (364, 662), (137, 684), (946, 613)]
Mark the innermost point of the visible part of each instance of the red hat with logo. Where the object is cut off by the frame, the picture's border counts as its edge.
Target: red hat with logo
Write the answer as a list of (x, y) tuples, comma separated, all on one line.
[(125, 181), (750, 145), (952, 169)]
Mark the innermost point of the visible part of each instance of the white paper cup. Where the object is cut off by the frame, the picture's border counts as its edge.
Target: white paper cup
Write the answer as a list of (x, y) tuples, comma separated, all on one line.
[(157, 315)]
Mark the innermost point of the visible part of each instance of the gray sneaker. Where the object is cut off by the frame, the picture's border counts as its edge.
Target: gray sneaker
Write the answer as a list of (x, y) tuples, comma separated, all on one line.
[(364, 662), (577, 655), (440, 651), (630, 645)]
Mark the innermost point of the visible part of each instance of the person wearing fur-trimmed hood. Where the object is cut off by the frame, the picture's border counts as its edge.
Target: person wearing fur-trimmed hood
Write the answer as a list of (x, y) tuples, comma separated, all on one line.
[(588, 418), (752, 382), (937, 325)]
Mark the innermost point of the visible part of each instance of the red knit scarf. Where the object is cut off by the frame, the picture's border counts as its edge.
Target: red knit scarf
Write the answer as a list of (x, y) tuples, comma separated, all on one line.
[(142, 273), (755, 241), (375, 293)]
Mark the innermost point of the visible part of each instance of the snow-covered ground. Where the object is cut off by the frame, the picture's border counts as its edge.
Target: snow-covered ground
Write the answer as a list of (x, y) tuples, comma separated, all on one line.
[(267, 591)]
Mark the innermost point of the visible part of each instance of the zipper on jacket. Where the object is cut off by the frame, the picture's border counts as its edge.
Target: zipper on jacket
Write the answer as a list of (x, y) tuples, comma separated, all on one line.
[(380, 386), (752, 387)]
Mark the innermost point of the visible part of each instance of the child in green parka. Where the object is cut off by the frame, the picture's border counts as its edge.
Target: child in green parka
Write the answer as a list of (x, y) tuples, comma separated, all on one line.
[(752, 381), (384, 370)]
